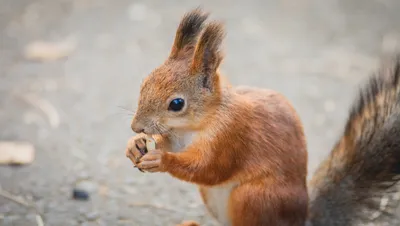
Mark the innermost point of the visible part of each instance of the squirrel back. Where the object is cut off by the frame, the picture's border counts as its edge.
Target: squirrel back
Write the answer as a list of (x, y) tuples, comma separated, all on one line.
[(355, 185)]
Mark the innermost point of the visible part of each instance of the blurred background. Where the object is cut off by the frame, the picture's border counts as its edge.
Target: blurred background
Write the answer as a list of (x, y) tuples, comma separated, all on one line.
[(70, 72)]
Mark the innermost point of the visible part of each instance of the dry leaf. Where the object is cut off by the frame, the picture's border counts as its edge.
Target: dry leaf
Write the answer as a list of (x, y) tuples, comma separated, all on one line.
[(16, 153), (49, 51)]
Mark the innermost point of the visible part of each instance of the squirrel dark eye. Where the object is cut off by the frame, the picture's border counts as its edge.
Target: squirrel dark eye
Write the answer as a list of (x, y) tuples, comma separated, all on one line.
[(176, 104)]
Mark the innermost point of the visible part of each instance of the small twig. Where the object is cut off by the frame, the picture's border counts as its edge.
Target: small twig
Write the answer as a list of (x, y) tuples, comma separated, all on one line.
[(39, 220), (21, 201), (14, 198), (46, 107)]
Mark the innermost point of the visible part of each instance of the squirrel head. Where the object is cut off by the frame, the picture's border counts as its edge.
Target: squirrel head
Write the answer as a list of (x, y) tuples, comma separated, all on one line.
[(183, 93)]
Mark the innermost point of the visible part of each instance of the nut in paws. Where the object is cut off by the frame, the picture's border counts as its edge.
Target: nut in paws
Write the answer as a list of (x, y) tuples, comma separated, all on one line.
[(136, 148)]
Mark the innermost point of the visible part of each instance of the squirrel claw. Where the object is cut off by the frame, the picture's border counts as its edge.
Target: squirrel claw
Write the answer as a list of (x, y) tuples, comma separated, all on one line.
[(138, 169)]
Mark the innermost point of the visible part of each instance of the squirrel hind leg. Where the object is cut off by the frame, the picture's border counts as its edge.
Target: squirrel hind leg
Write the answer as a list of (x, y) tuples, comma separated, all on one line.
[(268, 204)]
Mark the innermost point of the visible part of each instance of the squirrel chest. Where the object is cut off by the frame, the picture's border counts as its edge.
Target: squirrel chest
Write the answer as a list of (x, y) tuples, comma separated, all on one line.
[(181, 140), (216, 199)]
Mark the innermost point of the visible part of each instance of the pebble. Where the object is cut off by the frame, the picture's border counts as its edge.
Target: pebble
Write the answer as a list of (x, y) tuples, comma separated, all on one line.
[(80, 194), (83, 189)]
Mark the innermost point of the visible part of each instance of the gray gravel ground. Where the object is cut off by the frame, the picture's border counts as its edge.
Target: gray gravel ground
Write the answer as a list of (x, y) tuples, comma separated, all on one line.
[(314, 52)]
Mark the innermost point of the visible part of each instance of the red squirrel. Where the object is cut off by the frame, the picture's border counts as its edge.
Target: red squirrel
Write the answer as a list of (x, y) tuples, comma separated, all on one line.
[(245, 147)]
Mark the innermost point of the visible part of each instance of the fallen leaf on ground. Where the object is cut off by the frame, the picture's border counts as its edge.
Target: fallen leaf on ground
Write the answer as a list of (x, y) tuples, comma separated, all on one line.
[(16, 153), (49, 51)]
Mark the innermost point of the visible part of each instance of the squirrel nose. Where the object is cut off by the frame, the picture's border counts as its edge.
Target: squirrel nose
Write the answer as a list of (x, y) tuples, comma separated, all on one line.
[(137, 128)]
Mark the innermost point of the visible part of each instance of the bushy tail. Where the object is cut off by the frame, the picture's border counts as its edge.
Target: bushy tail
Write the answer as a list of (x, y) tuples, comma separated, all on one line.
[(357, 183)]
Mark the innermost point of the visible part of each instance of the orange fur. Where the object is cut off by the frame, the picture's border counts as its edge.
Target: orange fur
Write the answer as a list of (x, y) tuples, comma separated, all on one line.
[(244, 147)]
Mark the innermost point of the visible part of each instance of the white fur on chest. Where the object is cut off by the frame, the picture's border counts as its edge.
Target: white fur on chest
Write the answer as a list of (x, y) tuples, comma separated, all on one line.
[(217, 198), (181, 140)]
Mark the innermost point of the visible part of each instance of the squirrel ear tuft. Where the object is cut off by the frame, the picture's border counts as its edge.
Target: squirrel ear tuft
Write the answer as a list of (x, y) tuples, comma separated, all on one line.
[(188, 31), (208, 54)]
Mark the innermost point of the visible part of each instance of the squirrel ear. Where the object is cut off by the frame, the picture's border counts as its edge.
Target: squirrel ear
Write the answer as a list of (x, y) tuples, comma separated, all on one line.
[(188, 31), (208, 55)]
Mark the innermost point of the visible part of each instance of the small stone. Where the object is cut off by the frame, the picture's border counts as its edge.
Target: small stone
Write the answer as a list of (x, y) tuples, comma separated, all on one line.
[(80, 195), (83, 189)]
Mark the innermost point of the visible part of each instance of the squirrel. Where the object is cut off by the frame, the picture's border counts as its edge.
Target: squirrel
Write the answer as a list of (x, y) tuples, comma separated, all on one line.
[(245, 147)]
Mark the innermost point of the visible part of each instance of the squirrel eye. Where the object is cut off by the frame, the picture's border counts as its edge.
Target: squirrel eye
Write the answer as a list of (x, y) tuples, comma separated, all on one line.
[(176, 104)]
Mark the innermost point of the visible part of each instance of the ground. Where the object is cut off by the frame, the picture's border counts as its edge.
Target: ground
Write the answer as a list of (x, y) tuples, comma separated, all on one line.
[(77, 110)]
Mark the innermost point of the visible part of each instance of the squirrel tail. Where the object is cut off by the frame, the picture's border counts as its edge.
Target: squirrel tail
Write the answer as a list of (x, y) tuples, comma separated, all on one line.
[(357, 183)]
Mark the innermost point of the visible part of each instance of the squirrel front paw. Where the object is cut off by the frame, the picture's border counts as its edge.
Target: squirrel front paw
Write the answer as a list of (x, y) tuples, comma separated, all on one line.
[(141, 151), (152, 162), (136, 147)]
